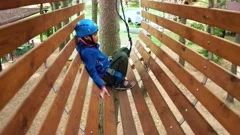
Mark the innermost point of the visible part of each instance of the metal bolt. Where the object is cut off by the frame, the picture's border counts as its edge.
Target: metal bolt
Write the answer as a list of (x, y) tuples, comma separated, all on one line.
[(171, 126), (205, 67), (208, 42), (186, 110), (197, 89)]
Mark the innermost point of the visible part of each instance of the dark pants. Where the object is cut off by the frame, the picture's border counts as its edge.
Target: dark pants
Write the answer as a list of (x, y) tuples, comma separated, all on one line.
[(119, 63)]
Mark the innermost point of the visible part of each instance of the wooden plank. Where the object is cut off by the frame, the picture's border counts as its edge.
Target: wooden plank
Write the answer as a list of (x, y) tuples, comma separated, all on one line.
[(225, 79), (194, 119), (15, 34), (5, 4), (50, 124), (109, 122), (168, 119), (93, 112), (215, 106), (77, 108), (23, 117), (128, 124), (212, 43), (149, 128), (23, 69), (224, 19)]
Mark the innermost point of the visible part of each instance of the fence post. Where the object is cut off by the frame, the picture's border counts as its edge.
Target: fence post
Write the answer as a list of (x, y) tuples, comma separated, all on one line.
[(0, 65), (233, 70), (182, 39)]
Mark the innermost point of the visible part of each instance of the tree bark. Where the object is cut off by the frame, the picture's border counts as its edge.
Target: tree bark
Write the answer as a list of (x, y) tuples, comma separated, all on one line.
[(94, 11), (64, 4), (109, 33), (109, 27), (55, 6)]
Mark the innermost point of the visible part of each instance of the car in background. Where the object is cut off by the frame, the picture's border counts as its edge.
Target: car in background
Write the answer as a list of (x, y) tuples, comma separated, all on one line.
[(134, 17)]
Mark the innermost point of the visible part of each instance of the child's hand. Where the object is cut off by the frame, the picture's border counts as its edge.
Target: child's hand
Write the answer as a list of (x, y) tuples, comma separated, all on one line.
[(103, 92)]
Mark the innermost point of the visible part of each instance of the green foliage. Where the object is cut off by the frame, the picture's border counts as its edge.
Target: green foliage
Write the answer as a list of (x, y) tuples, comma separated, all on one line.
[(189, 43), (215, 58), (198, 26), (48, 33), (217, 31)]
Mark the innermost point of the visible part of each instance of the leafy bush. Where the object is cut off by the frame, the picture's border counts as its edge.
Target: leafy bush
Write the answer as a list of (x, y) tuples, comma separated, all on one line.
[(217, 31), (215, 58), (198, 26)]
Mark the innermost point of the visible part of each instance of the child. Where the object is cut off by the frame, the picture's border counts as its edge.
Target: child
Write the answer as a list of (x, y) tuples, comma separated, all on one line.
[(103, 70)]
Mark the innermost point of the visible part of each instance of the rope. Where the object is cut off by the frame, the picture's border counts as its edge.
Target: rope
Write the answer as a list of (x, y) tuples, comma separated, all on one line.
[(126, 24)]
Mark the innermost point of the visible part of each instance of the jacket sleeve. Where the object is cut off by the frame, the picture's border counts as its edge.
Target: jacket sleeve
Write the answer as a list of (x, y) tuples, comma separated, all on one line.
[(90, 64)]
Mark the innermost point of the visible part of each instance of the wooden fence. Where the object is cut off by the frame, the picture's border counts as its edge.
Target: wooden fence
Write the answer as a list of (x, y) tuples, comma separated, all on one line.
[(176, 100)]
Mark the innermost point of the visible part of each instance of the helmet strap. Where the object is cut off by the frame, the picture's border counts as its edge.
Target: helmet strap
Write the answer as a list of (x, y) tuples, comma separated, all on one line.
[(89, 42), (93, 40)]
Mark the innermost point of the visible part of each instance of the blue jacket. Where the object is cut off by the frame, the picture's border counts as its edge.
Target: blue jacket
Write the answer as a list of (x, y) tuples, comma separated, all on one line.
[(94, 60)]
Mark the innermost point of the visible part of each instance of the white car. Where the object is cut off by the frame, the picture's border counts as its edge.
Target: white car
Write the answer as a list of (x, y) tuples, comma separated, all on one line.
[(134, 17)]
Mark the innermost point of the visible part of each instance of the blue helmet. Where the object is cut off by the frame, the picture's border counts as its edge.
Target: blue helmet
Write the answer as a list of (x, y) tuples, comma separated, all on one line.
[(85, 27)]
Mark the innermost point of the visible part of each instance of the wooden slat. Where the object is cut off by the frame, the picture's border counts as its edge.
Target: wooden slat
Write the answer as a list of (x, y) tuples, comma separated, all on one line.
[(23, 69), (109, 122), (93, 112), (149, 128), (23, 117), (228, 81), (5, 4), (18, 33), (168, 119), (129, 127), (215, 106), (50, 124), (194, 119), (77, 108), (212, 43), (224, 19)]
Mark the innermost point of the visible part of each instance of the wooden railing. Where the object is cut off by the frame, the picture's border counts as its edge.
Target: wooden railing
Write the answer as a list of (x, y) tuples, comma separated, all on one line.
[(175, 100), (228, 50)]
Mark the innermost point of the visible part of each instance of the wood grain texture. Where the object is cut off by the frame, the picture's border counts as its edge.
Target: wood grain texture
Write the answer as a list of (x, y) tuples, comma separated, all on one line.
[(212, 43), (50, 124), (224, 19), (129, 127), (109, 122), (24, 115), (23, 69), (215, 106), (168, 119), (93, 112), (225, 79), (149, 128), (72, 127), (16, 34), (194, 119), (6, 4)]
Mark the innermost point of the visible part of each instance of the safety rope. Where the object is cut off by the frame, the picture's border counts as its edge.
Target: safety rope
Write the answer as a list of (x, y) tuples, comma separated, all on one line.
[(126, 24)]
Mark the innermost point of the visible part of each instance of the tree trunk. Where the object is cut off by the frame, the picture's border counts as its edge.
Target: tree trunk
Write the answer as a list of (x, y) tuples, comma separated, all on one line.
[(55, 6), (183, 41), (109, 33), (64, 4), (94, 10), (109, 27)]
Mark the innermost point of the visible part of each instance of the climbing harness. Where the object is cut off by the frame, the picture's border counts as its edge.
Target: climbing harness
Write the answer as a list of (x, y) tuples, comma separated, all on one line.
[(126, 24), (118, 75)]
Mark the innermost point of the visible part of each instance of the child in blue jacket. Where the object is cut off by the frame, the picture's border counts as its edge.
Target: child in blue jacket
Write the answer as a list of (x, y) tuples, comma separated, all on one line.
[(101, 69)]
